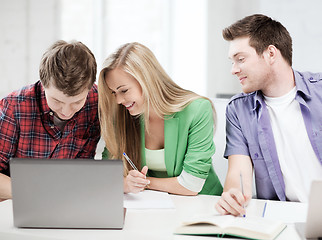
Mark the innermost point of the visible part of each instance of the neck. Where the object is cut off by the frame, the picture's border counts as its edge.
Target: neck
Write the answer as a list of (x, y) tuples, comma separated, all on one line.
[(153, 116), (282, 81)]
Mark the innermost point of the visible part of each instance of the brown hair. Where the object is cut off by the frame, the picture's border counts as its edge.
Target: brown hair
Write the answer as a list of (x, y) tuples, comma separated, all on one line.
[(262, 32), (119, 129), (70, 67)]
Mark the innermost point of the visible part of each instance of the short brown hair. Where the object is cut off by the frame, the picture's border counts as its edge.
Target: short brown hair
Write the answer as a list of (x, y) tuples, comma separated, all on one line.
[(262, 32), (70, 67)]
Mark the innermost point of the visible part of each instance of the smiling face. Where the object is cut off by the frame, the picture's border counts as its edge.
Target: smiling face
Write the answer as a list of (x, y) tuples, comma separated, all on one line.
[(126, 89), (64, 106), (252, 70)]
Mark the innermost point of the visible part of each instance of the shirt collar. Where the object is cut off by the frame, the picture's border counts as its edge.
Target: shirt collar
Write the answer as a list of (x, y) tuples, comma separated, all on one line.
[(302, 89), (258, 100)]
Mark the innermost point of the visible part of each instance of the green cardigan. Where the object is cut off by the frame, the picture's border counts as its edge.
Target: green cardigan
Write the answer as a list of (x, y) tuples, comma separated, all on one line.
[(188, 145)]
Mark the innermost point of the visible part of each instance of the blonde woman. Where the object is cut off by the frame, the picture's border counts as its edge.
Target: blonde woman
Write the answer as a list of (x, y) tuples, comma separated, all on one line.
[(159, 125)]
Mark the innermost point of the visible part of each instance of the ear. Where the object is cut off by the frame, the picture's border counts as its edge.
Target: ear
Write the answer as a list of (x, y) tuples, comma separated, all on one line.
[(271, 53)]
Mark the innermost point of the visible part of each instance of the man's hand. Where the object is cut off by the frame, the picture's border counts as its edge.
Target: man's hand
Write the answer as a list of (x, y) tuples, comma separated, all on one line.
[(232, 202)]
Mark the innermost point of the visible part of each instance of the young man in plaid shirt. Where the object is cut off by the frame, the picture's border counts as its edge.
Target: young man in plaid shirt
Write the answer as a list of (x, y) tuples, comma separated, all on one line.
[(56, 117)]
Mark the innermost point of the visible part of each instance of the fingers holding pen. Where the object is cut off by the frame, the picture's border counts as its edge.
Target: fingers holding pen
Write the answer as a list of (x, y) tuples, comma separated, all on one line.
[(136, 181), (231, 202)]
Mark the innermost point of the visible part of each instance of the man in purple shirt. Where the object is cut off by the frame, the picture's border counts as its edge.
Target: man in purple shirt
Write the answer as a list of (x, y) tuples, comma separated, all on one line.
[(275, 126)]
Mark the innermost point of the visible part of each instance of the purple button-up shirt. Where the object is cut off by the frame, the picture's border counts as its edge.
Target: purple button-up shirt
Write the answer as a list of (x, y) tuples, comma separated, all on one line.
[(249, 132)]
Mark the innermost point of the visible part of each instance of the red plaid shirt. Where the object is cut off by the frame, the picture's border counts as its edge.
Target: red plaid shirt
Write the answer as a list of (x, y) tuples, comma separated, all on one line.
[(27, 128)]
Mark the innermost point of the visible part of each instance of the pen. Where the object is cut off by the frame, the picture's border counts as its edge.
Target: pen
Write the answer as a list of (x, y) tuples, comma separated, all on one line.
[(130, 161), (132, 164), (242, 189), (264, 209)]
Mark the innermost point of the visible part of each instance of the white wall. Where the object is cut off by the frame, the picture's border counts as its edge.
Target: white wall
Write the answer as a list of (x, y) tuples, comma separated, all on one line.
[(27, 28), (187, 42), (220, 15), (303, 20)]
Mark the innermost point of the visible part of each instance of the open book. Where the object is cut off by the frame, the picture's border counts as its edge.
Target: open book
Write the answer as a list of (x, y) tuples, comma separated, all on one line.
[(243, 227)]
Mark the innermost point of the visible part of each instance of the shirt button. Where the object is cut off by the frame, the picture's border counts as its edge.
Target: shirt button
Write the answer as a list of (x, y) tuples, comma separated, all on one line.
[(52, 127), (51, 113), (256, 155)]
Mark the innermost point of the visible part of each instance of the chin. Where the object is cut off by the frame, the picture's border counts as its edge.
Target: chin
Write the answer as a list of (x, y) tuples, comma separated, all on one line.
[(247, 90), (134, 114), (65, 118)]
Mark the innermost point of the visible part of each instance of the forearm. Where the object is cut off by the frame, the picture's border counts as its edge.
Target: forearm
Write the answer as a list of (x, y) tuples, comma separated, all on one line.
[(238, 166), (170, 185), (5, 187), (232, 180)]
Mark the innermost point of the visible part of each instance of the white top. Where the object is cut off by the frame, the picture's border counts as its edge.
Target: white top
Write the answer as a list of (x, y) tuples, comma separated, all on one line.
[(155, 161), (297, 159)]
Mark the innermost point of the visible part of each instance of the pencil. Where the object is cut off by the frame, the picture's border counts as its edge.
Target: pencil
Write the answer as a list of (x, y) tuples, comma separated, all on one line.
[(264, 210), (242, 189)]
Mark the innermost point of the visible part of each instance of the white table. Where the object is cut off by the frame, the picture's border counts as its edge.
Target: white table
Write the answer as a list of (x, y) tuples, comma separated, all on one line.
[(140, 224)]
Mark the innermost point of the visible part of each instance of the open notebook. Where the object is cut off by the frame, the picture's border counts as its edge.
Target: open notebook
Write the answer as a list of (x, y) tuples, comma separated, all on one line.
[(243, 227)]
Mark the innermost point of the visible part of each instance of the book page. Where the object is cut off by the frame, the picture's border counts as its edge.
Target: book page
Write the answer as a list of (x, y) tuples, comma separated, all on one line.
[(215, 219), (255, 224), (148, 199)]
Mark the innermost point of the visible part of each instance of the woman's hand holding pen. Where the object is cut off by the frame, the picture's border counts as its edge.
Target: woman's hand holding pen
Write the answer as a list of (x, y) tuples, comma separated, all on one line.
[(136, 181)]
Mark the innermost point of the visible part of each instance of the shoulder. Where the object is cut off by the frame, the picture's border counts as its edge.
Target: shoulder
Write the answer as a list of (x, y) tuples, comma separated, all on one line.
[(93, 94), (242, 101), (197, 105), (90, 108), (24, 95), (309, 85), (309, 78), (92, 98), (196, 111), (242, 97)]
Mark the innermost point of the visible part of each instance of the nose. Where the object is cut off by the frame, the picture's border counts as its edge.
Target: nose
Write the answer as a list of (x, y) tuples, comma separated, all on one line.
[(119, 99), (235, 69), (67, 110)]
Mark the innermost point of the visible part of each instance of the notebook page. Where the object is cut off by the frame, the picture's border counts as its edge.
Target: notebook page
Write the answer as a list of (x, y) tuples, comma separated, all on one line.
[(148, 199), (287, 212)]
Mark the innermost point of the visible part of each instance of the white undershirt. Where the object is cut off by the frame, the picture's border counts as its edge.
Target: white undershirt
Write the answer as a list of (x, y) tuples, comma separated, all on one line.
[(297, 159), (155, 161)]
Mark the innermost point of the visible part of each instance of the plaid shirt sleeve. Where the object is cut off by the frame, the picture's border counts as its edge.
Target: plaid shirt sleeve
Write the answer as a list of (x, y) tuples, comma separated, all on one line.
[(9, 132), (89, 148)]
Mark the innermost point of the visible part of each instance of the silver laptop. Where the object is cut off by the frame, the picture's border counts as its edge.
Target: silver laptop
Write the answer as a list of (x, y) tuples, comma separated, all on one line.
[(312, 228), (67, 193)]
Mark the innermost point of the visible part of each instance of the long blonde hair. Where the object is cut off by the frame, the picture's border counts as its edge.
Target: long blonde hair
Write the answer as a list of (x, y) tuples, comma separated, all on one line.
[(120, 130)]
